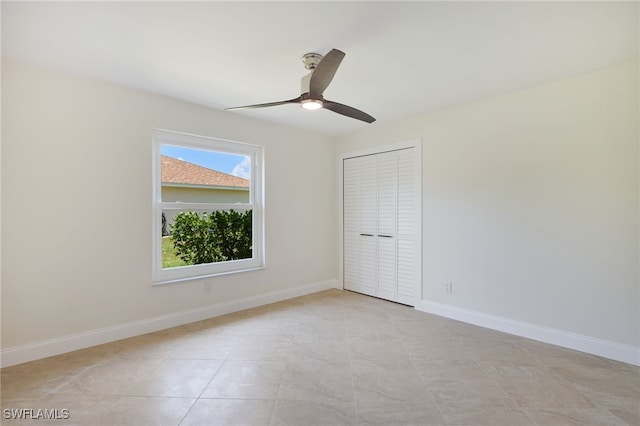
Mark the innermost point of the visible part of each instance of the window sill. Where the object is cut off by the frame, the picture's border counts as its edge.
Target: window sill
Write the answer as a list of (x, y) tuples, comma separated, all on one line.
[(166, 281)]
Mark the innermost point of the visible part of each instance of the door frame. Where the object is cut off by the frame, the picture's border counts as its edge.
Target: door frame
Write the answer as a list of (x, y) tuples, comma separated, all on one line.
[(413, 143)]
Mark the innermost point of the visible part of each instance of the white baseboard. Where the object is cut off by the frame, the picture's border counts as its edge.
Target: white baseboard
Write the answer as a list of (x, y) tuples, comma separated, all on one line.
[(591, 345), (60, 345)]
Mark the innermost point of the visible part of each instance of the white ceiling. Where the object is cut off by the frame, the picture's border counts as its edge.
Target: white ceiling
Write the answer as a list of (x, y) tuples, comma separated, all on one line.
[(402, 59)]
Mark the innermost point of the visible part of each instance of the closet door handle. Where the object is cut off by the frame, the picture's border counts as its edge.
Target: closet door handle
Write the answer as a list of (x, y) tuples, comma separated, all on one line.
[(385, 236), (367, 235)]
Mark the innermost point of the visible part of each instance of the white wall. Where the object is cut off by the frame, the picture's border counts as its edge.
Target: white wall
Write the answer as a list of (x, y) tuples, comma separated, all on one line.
[(530, 204), (76, 194)]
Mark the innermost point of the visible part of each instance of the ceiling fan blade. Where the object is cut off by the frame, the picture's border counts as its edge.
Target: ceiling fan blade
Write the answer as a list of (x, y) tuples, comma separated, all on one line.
[(270, 104), (324, 72), (348, 111)]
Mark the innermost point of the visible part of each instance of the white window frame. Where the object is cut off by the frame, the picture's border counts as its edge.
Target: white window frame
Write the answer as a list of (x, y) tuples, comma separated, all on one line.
[(256, 196)]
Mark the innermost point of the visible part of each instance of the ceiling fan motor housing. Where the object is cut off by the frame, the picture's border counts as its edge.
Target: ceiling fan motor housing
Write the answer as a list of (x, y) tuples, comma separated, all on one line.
[(311, 60)]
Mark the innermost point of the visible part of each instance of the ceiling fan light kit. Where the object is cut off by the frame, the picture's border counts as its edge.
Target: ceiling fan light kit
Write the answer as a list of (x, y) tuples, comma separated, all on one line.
[(311, 104), (321, 72)]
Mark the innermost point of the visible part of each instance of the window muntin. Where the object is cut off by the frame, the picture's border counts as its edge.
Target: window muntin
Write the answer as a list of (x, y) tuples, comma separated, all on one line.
[(203, 196)]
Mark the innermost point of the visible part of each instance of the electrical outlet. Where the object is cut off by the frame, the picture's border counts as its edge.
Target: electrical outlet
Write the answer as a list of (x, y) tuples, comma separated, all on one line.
[(448, 288), (208, 288)]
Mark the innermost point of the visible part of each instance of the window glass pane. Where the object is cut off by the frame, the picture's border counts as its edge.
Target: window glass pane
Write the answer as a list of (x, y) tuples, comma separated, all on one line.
[(193, 175), (196, 237)]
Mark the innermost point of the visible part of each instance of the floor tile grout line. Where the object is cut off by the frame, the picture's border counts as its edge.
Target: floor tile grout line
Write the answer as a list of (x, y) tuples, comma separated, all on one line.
[(57, 389), (507, 394), (204, 388), (424, 383), (284, 370), (567, 382), (353, 381)]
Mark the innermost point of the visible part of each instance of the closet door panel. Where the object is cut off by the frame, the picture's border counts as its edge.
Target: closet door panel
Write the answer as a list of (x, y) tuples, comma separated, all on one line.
[(351, 224), (407, 235), (368, 221), (387, 282)]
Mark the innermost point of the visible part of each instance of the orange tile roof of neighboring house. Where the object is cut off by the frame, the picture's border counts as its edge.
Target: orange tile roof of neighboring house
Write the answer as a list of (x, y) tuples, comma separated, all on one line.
[(181, 172)]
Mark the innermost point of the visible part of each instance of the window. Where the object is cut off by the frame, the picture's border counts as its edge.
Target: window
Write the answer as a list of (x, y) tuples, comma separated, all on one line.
[(207, 207)]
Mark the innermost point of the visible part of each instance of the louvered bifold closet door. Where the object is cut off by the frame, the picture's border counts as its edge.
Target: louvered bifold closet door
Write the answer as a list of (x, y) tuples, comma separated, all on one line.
[(386, 232), (351, 224), (368, 225), (408, 239), (381, 225)]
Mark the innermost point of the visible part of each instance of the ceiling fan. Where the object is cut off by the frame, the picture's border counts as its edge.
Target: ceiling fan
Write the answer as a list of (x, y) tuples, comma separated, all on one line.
[(322, 69)]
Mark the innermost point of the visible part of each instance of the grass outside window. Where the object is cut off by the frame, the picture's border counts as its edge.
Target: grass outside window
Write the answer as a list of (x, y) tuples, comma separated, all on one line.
[(169, 257)]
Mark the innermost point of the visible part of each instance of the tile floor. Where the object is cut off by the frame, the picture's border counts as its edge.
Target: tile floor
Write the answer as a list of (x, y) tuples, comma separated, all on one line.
[(333, 357)]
